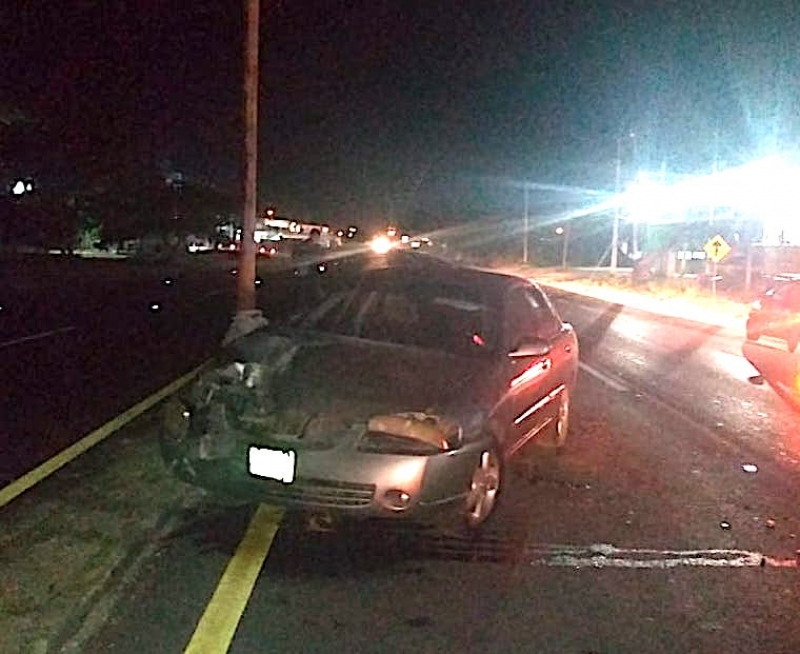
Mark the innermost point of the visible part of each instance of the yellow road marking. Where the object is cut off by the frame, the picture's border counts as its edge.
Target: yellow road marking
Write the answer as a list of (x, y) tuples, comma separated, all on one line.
[(19, 486), (215, 630)]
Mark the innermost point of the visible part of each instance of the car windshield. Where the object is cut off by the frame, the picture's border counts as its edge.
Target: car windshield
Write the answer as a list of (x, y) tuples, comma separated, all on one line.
[(446, 317)]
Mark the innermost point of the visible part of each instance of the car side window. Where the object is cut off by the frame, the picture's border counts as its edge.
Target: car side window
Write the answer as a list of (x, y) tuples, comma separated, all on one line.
[(528, 314)]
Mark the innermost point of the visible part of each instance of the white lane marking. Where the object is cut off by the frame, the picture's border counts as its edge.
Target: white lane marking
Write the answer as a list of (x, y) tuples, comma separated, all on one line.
[(36, 337), (734, 364), (603, 555), (609, 381)]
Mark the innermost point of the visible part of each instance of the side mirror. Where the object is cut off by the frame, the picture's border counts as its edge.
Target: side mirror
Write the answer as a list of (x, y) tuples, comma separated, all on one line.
[(530, 347)]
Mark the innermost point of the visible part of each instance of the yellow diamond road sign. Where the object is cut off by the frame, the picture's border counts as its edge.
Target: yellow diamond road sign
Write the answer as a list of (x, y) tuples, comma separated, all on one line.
[(717, 248)]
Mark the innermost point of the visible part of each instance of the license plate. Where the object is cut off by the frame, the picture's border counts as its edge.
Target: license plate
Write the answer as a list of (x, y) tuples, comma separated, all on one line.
[(272, 464)]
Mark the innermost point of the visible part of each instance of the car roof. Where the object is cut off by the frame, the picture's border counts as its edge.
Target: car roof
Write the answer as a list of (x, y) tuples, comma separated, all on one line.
[(414, 268)]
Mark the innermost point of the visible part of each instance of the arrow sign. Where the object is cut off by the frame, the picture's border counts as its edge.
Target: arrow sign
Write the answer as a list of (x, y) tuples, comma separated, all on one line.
[(717, 248)]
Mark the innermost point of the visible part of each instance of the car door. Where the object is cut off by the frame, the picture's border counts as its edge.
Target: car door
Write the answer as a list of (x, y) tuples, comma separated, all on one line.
[(534, 381)]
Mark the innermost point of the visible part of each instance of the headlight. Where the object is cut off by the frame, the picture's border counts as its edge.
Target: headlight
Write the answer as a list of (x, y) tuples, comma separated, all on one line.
[(383, 443), (418, 434)]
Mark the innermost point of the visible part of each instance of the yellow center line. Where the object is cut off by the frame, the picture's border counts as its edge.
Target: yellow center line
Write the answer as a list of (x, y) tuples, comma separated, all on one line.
[(19, 486), (217, 626)]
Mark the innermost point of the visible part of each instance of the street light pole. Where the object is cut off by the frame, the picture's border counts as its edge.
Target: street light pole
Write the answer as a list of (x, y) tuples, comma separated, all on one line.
[(634, 226), (615, 232), (525, 229)]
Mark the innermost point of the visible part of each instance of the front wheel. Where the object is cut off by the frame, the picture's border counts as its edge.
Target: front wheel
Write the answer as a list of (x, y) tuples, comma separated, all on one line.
[(561, 428), (487, 477)]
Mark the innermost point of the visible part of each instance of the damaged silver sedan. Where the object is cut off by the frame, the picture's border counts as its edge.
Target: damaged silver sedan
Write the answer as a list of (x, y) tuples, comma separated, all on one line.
[(400, 397)]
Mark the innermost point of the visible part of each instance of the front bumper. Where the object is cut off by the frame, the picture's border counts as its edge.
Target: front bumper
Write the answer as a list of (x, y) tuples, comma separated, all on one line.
[(346, 483)]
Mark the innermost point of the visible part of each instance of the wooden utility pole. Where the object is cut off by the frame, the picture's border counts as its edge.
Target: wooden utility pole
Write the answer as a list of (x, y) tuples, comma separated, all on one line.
[(248, 317), (245, 292)]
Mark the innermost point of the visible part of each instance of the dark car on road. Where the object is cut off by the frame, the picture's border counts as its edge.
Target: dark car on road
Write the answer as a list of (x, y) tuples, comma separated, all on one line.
[(777, 313), (403, 395)]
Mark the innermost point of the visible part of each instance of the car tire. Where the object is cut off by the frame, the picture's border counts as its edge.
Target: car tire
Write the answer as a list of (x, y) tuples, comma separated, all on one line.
[(484, 489), (560, 430)]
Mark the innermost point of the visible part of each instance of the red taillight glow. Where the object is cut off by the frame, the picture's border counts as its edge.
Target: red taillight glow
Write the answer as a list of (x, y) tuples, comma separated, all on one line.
[(476, 338)]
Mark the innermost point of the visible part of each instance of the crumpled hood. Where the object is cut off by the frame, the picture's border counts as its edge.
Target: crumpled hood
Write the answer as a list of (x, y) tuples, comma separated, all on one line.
[(355, 379), (316, 393)]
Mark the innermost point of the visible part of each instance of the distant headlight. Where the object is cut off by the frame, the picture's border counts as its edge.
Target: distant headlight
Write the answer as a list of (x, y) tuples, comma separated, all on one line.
[(417, 434), (381, 244)]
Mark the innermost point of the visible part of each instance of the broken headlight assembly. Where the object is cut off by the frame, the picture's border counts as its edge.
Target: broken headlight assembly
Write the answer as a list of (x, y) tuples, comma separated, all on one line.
[(175, 419), (415, 434)]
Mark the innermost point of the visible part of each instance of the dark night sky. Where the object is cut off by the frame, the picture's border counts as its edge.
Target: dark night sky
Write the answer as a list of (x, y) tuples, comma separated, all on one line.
[(385, 107)]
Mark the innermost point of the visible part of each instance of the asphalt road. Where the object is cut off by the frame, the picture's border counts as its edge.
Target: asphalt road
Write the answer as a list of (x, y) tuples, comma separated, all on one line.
[(82, 341), (669, 524)]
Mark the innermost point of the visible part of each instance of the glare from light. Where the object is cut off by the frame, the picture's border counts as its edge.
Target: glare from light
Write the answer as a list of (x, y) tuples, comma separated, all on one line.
[(559, 230), (381, 244), (18, 188), (534, 370), (765, 189)]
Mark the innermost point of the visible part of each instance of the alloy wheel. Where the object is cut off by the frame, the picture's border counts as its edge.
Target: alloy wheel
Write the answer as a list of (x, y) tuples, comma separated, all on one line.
[(484, 488)]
